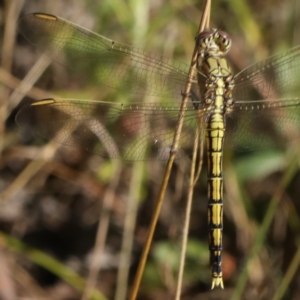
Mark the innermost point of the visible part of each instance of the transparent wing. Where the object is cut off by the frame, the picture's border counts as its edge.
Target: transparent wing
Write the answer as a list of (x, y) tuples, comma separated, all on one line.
[(108, 62), (256, 125), (132, 132), (276, 77)]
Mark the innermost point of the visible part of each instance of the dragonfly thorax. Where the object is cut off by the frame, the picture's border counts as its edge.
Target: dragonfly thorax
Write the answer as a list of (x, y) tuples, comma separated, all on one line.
[(217, 83)]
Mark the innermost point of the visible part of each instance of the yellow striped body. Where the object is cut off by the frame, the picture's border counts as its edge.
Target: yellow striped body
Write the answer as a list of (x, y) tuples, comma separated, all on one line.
[(214, 142), (216, 95)]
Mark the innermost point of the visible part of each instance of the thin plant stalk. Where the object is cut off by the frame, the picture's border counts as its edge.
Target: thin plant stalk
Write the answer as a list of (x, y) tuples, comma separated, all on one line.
[(47, 262), (129, 225), (140, 14), (289, 275), (169, 165), (16, 84), (187, 216), (289, 173), (102, 230), (27, 83), (12, 10), (31, 170)]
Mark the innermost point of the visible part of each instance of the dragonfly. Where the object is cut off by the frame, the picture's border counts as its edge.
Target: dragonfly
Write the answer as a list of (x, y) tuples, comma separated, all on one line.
[(252, 110)]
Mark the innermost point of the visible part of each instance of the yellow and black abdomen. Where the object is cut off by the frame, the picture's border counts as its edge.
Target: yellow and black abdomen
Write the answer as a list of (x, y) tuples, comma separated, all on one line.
[(214, 140)]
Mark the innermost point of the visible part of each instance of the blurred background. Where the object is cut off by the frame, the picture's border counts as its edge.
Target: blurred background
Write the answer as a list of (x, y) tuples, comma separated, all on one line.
[(72, 221)]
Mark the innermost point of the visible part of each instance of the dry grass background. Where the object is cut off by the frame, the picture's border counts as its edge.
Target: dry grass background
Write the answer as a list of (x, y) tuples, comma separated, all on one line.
[(54, 198)]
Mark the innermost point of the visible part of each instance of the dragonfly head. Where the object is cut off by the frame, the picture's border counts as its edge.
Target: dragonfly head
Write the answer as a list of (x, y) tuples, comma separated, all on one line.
[(213, 41)]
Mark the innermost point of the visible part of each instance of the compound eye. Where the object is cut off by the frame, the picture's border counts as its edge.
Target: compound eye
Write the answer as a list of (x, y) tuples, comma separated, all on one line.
[(214, 40), (224, 41), (204, 38), (205, 34)]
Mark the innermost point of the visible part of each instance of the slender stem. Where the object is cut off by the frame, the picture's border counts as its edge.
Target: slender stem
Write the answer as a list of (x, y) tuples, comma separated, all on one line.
[(11, 13), (289, 275), (102, 231), (128, 233), (155, 215), (205, 19), (169, 165), (187, 217), (289, 173)]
